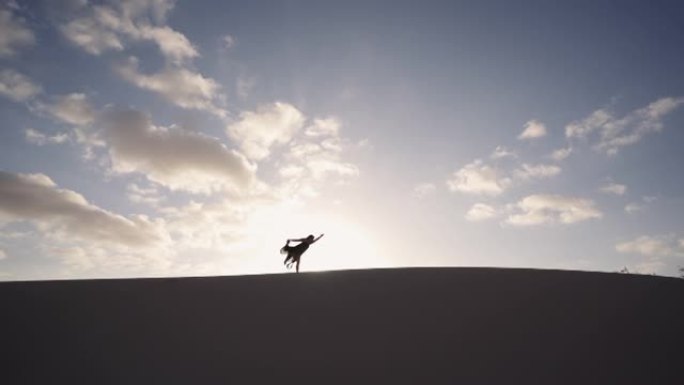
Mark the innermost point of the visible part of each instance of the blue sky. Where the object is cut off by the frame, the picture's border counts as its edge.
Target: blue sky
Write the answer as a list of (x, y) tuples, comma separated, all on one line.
[(162, 138)]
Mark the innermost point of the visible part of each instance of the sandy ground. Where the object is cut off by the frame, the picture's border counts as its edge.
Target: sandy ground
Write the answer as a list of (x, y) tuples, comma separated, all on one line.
[(418, 326)]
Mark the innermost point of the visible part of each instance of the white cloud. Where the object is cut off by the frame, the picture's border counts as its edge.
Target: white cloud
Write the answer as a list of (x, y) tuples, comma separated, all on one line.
[(38, 138), (582, 128), (653, 246), (147, 195), (613, 188), (17, 86), (561, 153), (172, 44), (616, 133), (179, 86), (72, 109), (67, 214), (480, 212), (542, 209), (174, 157), (533, 129), (322, 159), (271, 124), (478, 178), (424, 189), (537, 171), (13, 33), (101, 28), (501, 152), (323, 127), (88, 33)]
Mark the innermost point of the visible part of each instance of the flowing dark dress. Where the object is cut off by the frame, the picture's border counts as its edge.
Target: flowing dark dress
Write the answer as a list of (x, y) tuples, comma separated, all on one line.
[(294, 252)]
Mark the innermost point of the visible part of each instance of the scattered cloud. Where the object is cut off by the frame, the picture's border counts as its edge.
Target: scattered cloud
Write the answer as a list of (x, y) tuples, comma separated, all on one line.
[(17, 87), (177, 158), (13, 33), (478, 178), (64, 213), (38, 138), (106, 27), (613, 188), (653, 246), (547, 209), (73, 109), (537, 171), (424, 189), (561, 153), (271, 124), (3, 255), (582, 128), (615, 133), (533, 129), (180, 86), (501, 152), (91, 35), (145, 195), (173, 44), (480, 212)]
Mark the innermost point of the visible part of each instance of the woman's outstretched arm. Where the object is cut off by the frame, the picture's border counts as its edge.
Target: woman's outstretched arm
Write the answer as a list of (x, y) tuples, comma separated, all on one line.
[(296, 240), (317, 238)]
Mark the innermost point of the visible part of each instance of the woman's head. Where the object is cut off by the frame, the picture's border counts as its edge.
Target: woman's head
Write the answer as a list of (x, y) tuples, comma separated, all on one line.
[(310, 238)]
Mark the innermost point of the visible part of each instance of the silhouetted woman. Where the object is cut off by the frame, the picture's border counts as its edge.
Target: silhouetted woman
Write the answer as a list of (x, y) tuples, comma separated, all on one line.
[(294, 253)]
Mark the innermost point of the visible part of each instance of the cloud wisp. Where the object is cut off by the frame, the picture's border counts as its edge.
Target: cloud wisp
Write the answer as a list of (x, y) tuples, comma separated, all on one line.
[(179, 86), (479, 178), (615, 133), (481, 212), (14, 34), (17, 87), (108, 27), (653, 246), (543, 209)]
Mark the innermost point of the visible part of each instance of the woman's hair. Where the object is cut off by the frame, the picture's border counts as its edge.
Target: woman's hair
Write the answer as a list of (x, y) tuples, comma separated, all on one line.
[(310, 237)]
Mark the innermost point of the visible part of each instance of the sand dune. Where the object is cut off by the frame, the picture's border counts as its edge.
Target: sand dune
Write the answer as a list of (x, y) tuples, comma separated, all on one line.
[(421, 326)]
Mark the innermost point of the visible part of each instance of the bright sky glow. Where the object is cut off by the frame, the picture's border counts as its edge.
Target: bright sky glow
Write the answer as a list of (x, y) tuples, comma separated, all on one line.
[(168, 138)]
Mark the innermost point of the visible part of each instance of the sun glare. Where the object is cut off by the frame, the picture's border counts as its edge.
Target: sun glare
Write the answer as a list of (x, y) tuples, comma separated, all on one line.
[(346, 244)]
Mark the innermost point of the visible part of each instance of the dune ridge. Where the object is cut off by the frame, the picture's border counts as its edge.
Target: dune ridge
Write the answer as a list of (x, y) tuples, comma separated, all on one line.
[(414, 325)]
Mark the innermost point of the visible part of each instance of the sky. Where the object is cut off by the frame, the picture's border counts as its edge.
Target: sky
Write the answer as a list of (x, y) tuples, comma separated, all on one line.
[(146, 138)]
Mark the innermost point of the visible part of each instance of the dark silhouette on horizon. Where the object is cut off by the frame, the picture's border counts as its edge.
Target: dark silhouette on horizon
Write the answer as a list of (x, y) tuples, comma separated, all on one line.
[(294, 253)]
